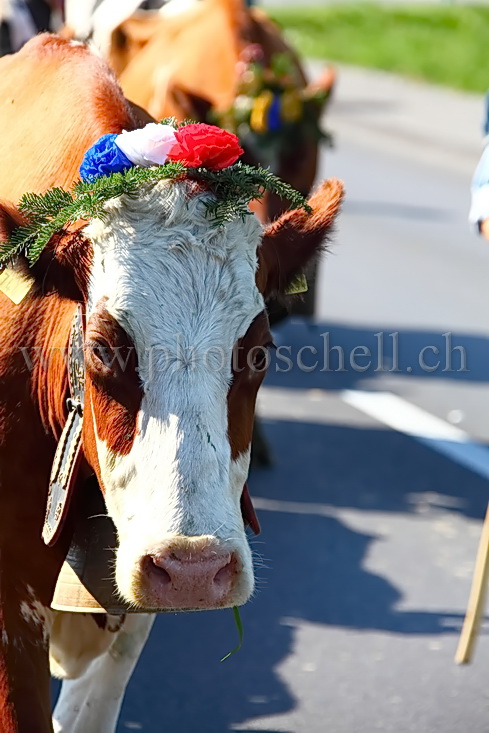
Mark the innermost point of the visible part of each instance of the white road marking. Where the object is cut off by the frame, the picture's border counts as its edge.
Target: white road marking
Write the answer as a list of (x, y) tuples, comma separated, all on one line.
[(427, 429)]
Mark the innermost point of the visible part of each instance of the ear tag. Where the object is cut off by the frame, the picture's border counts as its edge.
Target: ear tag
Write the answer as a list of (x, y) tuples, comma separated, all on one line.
[(299, 285), (15, 285)]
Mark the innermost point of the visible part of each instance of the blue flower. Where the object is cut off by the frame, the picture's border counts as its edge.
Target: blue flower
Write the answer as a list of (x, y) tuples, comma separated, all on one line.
[(103, 158), (274, 121)]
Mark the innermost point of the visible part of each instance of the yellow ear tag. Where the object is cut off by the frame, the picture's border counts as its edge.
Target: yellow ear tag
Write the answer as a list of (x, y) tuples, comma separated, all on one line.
[(15, 285), (299, 285)]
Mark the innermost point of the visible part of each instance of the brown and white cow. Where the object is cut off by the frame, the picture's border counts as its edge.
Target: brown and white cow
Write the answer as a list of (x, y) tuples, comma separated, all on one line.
[(167, 439)]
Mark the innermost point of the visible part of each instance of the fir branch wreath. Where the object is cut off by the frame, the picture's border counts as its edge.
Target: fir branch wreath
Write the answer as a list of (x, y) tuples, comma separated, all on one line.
[(122, 164)]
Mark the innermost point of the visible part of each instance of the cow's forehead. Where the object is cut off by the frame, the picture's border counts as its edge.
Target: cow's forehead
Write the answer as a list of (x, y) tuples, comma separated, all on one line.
[(163, 269)]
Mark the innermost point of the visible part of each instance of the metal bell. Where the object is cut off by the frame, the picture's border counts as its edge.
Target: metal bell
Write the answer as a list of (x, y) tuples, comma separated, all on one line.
[(86, 582)]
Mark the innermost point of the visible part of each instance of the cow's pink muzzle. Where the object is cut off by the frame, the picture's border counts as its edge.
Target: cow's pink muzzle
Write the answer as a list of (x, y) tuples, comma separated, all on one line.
[(191, 573)]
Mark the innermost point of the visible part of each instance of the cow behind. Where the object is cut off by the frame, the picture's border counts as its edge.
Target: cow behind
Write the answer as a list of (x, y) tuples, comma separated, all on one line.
[(167, 430), (186, 64)]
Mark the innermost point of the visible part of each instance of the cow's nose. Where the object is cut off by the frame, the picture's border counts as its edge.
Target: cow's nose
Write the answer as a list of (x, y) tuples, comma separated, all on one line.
[(191, 574)]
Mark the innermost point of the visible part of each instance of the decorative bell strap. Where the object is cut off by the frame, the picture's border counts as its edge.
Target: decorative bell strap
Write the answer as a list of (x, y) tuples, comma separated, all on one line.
[(68, 452), (86, 583)]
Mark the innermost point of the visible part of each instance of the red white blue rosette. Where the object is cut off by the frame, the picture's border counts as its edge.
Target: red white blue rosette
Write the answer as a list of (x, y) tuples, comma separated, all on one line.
[(196, 145)]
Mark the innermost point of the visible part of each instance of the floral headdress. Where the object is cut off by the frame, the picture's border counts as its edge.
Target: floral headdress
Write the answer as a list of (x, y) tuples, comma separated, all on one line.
[(121, 164), (272, 111)]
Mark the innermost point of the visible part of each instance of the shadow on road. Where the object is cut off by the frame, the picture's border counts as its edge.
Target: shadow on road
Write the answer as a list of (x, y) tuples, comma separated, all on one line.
[(343, 357), (373, 470)]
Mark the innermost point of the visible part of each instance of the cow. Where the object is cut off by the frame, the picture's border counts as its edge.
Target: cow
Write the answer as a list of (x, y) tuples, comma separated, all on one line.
[(167, 446)]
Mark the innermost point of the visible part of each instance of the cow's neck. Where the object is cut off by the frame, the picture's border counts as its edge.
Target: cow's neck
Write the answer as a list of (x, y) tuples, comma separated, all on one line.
[(30, 417), (24, 662), (33, 378), (34, 383)]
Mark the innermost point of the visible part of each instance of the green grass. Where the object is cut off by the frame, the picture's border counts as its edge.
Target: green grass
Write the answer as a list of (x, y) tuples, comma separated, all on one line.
[(443, 44)]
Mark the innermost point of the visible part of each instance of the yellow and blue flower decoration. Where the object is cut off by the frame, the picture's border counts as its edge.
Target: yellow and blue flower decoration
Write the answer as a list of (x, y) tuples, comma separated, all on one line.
[(272, 105)]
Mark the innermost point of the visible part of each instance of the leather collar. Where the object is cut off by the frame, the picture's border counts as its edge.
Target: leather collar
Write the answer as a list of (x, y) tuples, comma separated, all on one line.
[(68, 452)]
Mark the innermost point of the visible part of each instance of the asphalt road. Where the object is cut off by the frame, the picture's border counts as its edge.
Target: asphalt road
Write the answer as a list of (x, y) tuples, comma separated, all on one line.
[(368, 534)]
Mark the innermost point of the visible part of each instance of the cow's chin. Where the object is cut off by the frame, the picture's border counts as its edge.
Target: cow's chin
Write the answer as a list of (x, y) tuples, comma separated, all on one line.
[(186, 574)]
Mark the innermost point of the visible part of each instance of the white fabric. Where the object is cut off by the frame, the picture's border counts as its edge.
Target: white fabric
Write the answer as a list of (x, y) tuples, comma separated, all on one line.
[(479, 210), (85, 18), (148, 146), (78, 16)]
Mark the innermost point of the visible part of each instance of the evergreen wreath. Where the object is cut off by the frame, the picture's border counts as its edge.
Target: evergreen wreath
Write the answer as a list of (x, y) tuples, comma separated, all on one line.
[(209, 148)]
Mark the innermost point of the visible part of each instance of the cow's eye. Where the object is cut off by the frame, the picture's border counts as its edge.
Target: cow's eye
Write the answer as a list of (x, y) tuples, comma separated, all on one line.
[(261, 357), (101, 353)]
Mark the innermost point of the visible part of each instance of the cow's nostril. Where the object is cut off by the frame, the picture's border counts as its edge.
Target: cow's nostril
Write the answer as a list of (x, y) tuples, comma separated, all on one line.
[(163, 575), (223, 576)]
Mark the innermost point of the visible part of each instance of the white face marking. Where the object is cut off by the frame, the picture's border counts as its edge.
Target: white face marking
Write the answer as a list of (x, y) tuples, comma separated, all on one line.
[(185, 292)]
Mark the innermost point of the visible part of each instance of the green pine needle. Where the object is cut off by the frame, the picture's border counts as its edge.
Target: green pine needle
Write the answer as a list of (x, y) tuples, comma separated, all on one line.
[(233, 188), (239, 626)]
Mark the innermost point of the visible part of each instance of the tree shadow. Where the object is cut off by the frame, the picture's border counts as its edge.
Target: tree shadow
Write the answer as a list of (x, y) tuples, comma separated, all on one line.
[(367, 469), (315, 569), (180, 678), (335, 357)]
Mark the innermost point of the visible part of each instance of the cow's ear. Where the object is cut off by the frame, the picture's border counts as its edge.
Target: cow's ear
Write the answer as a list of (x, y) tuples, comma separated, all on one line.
[(296, 237), (320, 89), (10, 219), (65, 263), (139, 115), (191, 106), (64, 266)]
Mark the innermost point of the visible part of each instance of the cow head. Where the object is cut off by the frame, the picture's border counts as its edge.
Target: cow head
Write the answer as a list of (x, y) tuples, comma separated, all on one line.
[(175, 347)]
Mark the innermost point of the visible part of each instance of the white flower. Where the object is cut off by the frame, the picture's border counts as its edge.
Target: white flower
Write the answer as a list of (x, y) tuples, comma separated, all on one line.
[(148, 146)]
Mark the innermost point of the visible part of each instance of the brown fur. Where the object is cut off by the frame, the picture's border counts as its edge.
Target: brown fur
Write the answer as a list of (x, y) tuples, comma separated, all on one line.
[(114, 392), (296, 237), (245, 385), (27, 81)]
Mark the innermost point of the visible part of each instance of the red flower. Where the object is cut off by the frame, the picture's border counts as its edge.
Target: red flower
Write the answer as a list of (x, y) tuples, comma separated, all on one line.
[(205, 146)]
